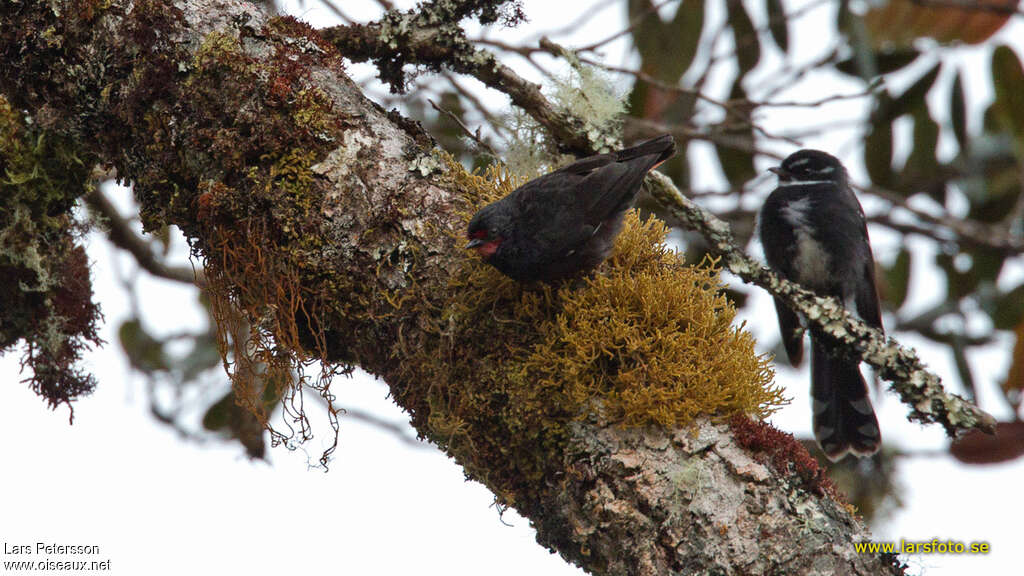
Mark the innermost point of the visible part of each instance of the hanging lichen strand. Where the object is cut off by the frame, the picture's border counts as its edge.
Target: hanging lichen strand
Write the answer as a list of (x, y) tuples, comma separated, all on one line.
[(647, 340)]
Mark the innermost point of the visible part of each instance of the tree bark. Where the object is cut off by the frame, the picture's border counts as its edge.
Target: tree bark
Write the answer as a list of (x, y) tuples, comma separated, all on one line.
[(334, 225)]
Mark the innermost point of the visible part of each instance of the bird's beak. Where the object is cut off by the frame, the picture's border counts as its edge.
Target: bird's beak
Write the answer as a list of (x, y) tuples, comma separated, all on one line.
[(475, 243), (778, 171)]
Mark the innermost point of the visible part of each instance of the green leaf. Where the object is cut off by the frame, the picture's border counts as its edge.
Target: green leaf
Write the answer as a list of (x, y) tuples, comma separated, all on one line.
[(738, 165), (218, 415), (667, 50), (988, 263), (897, 279), (687, 26), (1009, 309), (913, 97), (958, 111), (748, 49), (1008, 80), (983, 265), (778, 24), (878, 146), (1002, 187), (885, 62), (958, 284), (963, 368), (203, 356), (145, 353), (922, 168)]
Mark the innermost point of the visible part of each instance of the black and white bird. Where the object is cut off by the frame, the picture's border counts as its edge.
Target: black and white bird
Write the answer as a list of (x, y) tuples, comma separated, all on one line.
[(565, 223), (814, 233)]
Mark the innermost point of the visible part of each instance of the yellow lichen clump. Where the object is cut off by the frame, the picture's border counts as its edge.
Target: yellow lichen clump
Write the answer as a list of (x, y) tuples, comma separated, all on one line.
[(652, 339), (645, 340)]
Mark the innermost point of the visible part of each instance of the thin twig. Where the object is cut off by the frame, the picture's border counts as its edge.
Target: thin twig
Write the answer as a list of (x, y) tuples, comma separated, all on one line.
[(441, 47), (121, 235), (574, 25), (475, 101), (652, 10), (475, 137), (998, 238)]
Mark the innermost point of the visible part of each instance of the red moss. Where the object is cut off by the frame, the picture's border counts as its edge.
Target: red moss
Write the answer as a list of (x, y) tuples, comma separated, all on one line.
[(289, 26), (72, 301), (784, 453)]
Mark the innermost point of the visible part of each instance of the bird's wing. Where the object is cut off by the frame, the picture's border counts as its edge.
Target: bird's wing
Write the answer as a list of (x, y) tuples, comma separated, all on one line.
[(610, 189), (778, 240), (866, 297), (550, 203), (789, 328)]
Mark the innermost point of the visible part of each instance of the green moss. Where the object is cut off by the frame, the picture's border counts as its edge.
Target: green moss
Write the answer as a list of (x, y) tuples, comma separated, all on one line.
[(645, 341), (312, 110)]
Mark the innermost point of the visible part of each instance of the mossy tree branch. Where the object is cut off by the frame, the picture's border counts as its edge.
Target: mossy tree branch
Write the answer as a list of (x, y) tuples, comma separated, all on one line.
[(325, 220), (917, 387)]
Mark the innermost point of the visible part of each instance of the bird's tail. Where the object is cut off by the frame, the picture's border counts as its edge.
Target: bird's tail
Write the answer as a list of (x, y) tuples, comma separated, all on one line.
[(844, 420), (613, 186), (660, 149)]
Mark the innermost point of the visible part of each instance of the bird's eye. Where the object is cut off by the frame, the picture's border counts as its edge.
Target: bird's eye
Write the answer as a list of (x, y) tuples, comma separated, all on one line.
[(478, 234)]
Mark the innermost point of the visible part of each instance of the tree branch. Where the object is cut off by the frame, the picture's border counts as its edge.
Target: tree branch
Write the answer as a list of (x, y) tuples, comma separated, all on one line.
[(1006, 7), (917, 387), (321, 217), (425, 39), (120, 234)]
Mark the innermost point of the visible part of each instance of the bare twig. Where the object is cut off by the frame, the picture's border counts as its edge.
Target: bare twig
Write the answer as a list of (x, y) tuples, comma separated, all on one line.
[(335, 9), (869, 91), (576, 24), (121, 235), (473, 136), (970, 231), (397, 431), (475, 101), (652, 10), (440, 46), (738, 111)]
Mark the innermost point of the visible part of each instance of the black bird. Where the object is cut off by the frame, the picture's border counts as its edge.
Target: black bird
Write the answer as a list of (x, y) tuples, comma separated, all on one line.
[(565, 223), (814, 233)]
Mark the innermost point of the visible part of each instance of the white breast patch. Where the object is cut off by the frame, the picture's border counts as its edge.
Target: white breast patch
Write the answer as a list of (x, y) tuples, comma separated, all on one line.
[(795, 212), (811, 262)]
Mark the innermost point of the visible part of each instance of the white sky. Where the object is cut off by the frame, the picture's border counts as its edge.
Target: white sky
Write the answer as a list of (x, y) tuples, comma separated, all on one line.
[(156, 505)]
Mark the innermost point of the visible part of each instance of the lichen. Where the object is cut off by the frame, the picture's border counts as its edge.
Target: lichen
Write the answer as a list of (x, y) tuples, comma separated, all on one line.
[(584, 93), (590, 95), (644, 341), (45, 289)]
